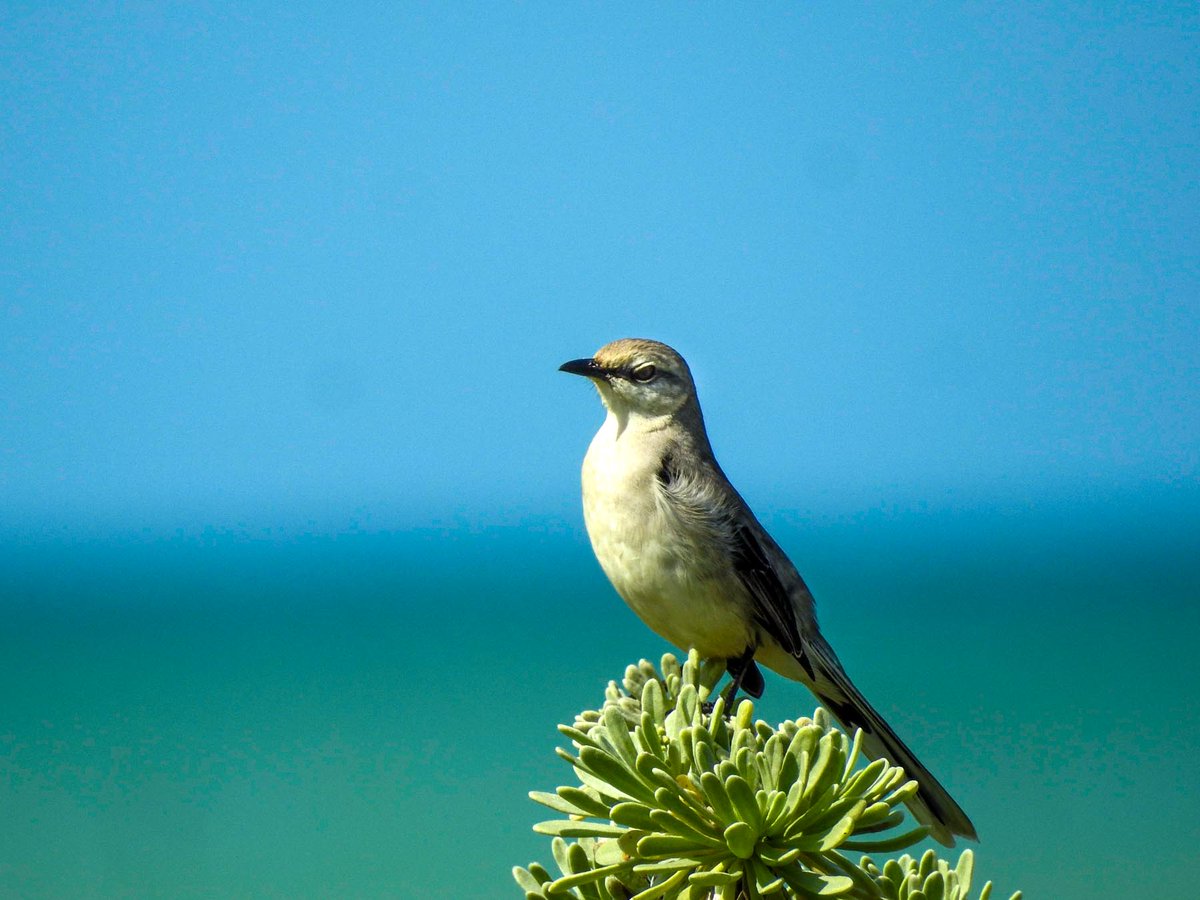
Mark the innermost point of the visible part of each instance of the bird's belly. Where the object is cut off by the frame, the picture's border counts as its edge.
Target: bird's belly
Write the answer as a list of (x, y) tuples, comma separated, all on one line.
[(645, 557)]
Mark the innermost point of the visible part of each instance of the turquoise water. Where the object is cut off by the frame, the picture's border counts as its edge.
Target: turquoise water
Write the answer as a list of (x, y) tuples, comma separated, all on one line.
[(222, 716)]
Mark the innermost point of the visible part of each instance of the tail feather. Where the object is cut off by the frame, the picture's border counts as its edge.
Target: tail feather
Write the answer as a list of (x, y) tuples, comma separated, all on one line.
[(932, 805)]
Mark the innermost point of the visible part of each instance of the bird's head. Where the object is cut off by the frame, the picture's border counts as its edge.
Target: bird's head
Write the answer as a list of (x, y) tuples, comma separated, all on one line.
[(638, 377)]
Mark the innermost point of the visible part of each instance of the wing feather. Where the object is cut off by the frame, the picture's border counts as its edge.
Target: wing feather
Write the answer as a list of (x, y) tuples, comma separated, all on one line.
[(712, 505)]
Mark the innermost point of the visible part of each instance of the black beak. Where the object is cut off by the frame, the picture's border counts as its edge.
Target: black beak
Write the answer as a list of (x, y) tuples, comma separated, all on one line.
[(589, 368)]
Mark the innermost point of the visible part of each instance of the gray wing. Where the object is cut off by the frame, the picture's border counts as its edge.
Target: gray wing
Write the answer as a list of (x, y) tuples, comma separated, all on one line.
[(742, 537), (772, 603)]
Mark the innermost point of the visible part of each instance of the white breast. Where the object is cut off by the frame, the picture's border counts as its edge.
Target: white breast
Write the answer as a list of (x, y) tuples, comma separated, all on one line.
[(655, 565)]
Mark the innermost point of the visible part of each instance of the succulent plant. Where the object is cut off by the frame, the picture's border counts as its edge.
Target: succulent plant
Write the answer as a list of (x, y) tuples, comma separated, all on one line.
[(677, 800), (927, 878)]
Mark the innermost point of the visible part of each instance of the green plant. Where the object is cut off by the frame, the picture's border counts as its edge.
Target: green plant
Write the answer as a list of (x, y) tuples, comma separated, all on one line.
[(675, 800)]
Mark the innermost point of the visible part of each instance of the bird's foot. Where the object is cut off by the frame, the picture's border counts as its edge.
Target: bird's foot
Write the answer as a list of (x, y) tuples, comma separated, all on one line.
[(727, 696)]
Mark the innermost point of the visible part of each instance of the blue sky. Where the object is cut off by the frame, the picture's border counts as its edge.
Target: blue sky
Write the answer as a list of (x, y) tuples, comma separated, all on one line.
[(290, 266)]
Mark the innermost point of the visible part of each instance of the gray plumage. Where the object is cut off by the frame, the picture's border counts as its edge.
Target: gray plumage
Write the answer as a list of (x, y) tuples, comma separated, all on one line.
[(684, 550)]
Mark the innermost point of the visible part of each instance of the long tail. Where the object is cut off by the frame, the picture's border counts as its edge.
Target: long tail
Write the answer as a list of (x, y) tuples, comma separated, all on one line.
[(932, 805)]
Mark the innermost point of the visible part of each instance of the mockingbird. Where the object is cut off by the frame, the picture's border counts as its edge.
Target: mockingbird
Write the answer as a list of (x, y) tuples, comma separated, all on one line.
[(685, 552)]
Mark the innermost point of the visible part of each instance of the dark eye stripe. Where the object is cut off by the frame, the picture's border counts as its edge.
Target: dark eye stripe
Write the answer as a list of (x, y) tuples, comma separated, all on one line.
[(644, 373)]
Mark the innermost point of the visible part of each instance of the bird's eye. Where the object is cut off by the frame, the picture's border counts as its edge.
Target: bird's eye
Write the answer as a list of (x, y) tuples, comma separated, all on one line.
[(644, 373)]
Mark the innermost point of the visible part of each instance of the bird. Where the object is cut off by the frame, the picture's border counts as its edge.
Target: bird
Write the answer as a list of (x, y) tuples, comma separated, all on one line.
[(685, 552)]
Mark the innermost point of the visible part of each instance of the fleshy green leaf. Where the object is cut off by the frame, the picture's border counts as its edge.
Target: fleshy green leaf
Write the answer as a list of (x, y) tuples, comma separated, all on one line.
[(740, 838), (570, 828)]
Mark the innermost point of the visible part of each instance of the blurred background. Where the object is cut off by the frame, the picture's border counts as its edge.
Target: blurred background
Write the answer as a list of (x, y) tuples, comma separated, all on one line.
[(293, 579)]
